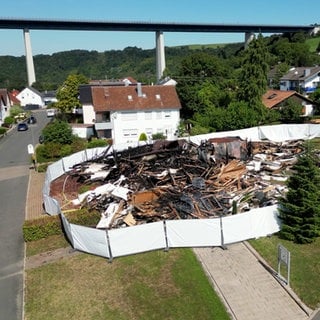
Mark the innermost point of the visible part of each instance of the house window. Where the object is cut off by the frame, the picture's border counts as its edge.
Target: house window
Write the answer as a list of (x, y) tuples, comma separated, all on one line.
[(149, 131), (167, 114), (130, 134), (158, 115), (148, 115), (158, 97), (129, 116), (103, 117)]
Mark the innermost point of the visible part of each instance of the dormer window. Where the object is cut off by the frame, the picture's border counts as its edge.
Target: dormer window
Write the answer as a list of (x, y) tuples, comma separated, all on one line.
[(130, 97), (158, 97)]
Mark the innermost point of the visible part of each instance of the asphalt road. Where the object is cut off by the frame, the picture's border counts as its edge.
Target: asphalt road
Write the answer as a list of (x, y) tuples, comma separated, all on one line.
[(14, 176)]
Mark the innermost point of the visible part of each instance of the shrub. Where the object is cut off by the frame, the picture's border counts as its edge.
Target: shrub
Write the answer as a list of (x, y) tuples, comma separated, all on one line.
[(42, 167), (9, 120), (58, 132), (65, 150), (51, 225), (41, 228), (3, 130), (78, 144), (143, 137), (158, 136), (15, 110), (95, 143), (48, 152)]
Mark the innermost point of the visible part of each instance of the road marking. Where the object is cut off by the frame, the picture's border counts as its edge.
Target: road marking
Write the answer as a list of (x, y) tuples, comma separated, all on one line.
[(13, 172)]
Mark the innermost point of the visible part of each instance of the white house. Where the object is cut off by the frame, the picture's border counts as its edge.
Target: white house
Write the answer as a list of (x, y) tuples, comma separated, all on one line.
[(123, 113), (5, 105), (30, 97), (302, 79)]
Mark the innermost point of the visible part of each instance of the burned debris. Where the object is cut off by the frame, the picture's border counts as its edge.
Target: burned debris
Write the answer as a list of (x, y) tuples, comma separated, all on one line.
[(170, 180)]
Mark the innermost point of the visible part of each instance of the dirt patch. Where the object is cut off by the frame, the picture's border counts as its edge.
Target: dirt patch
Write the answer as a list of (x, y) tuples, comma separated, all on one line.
[(65, 189), (41, 259)]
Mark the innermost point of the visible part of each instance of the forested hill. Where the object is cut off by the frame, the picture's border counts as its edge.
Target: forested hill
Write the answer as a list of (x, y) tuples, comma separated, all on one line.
[(52, 70)]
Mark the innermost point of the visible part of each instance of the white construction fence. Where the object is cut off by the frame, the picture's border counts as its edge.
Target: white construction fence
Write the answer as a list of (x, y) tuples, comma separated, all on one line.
[(173, 233), (181, 233)]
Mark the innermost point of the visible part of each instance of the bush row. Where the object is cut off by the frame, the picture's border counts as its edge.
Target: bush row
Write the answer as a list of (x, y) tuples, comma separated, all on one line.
[(42, 228)]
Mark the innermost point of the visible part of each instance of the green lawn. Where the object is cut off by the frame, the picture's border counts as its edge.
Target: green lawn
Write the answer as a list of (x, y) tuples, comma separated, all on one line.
[(154, 285), (313, 43), (305, 266)]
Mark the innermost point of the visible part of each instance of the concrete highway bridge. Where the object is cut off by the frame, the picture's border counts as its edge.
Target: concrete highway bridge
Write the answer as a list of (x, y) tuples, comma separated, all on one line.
[(157, 27)]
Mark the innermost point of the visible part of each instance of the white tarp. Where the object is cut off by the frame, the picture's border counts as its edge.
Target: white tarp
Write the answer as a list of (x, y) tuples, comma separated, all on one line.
[(237, 227), (90, 240), (287, 132), (193, 233), (55, 170), (137, 239), (51, 205), (70, 161), (174, 234), (265, 221), (67, 229)]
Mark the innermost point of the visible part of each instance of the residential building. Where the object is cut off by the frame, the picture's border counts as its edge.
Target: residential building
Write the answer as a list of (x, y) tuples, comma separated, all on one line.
[(49, 97), (13, 97), (123, 112), (304, 80), (30, 98), (5, 105), (276, 99)]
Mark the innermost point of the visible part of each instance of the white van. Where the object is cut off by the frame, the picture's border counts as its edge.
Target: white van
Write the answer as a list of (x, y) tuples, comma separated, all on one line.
[(51, 112)]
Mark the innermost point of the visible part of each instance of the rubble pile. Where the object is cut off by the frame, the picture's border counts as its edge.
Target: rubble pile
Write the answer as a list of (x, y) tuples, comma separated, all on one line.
[(181, 180)]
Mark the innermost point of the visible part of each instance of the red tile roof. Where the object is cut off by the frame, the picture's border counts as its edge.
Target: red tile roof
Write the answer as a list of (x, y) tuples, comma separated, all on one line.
[(273, 97), (117, 98), (13, 97)]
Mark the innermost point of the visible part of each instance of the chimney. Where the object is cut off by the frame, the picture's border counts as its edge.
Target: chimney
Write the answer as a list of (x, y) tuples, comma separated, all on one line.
[(139, 89), (307, 72)]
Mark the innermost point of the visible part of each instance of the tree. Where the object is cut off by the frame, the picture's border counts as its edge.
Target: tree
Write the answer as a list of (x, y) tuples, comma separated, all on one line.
[(291, 112), (300, 208), (68, 93), (253, 77), (59, 132), (315, 96), (200, 74)]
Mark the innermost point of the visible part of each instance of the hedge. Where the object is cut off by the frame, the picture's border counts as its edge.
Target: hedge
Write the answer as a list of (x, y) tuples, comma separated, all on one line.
[(42, 228)]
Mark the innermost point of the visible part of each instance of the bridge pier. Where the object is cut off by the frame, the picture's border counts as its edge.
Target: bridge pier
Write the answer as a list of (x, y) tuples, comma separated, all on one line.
[(248, 37), (160, 55), (29, 58)]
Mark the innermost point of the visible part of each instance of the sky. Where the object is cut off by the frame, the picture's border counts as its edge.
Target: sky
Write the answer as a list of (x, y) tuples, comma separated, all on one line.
[(285, 12)]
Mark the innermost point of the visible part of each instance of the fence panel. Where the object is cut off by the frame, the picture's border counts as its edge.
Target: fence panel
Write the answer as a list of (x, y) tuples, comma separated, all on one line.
[(137, 239), (90, 240), (193, 233)]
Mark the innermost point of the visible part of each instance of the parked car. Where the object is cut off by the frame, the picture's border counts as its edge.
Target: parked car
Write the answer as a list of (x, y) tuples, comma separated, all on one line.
[(32, 120), (41, 139), (51, 112), (22, 126)]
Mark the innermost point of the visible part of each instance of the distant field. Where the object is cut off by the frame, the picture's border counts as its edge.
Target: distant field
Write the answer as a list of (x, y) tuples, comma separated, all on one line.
[(202, 46), (313, 43)]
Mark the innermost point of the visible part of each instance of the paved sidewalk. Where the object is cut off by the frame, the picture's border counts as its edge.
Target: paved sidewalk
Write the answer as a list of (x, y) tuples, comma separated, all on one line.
[(248, 290), (238, 274), (34, 205)]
